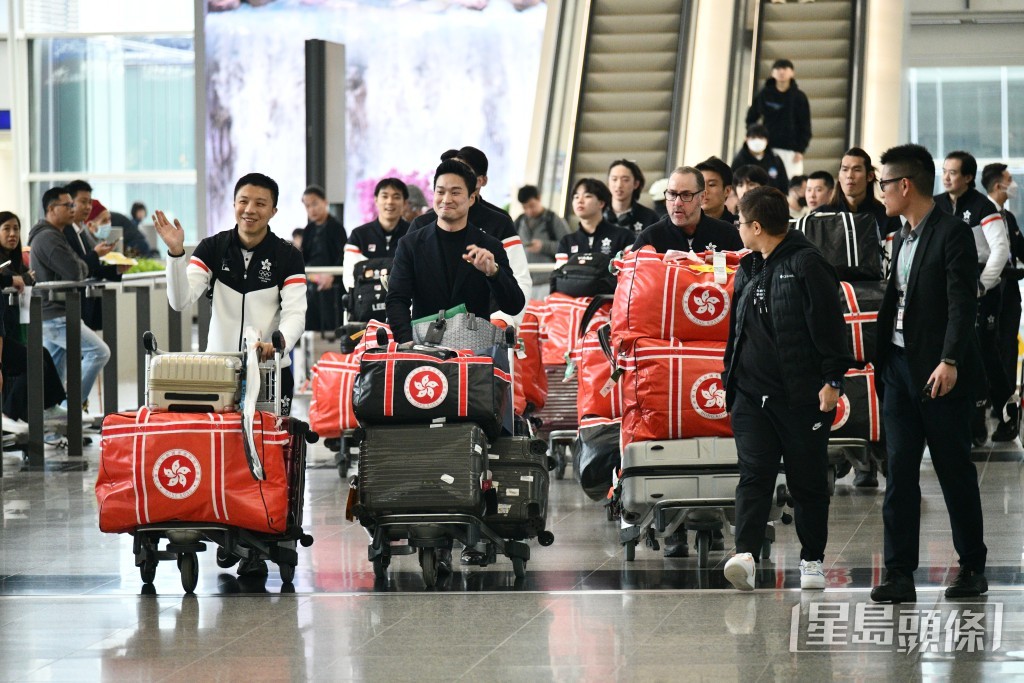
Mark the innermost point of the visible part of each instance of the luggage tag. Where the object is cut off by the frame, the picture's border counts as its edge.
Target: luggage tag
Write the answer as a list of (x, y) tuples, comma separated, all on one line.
[(520, 348), (570, 369), (353, 497), (610, 384), (718, 263)]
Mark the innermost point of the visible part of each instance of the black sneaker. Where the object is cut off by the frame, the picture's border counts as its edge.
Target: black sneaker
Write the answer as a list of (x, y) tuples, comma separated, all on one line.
[(252, 566), (967, 584), (866, 479), (474, 557), (444, 560), (895, 589), (676, 546)]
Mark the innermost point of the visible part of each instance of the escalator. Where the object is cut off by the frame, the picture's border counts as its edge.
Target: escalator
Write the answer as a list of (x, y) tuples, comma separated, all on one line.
[(629, 93), (821, 40)]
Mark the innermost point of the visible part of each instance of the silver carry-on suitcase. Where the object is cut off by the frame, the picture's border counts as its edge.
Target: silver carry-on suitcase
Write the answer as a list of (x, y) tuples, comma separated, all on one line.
[(194, 382)]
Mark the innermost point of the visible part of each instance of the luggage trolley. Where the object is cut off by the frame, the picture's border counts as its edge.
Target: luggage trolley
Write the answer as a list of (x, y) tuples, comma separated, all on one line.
[(432, 534), (686, 484), (185, 540), (559, 419)]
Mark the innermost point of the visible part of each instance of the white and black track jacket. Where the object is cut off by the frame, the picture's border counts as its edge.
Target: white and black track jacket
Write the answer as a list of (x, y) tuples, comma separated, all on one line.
[(268, 295)]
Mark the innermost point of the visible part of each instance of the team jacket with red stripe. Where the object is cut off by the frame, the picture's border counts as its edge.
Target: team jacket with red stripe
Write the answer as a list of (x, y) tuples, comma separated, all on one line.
[(268, 295), (498, 225), (981, 215)]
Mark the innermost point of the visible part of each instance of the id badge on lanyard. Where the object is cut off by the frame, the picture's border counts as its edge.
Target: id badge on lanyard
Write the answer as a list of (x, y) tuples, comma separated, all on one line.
[(900, 308)]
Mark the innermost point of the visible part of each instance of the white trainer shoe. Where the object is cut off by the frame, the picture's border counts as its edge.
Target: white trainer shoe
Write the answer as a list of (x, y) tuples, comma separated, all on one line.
[(739, 570), (812, 575), (55, 413)]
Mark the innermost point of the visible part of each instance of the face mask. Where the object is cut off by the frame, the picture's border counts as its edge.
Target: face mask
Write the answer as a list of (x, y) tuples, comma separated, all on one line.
[(1011, 190), (103, 231), (757, 145)]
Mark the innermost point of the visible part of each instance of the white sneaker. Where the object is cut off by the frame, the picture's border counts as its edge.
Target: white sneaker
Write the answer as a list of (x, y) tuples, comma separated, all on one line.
[(739, 570), (812, 575), (55, 412)]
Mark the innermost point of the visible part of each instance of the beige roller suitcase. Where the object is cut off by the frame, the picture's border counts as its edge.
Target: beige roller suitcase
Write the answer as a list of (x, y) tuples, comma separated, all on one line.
[(194, 382)]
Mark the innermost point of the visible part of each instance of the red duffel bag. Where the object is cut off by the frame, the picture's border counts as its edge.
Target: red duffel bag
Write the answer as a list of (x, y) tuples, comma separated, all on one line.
[(666, 298), (330, 408), (595, 397), (562, 324), (673, 390), (529, 381), (190, 467)]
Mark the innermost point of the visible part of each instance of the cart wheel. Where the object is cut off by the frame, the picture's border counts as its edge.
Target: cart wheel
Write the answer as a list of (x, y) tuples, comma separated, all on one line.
[(703, 543), (226, 560), (148, 571), (519, 567), (560, 468), (189, 564), (287, 572), (545, 538), (630, 549), (832, 474), (428, 563), (380, 566), (766, 549)]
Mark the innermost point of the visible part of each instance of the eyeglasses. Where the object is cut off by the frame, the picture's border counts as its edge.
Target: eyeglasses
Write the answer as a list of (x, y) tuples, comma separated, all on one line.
[(66, 205), (687, 197), (882, 184)]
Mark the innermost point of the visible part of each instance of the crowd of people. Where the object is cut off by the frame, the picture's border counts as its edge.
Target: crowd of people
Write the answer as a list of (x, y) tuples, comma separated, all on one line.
[(944, 357)]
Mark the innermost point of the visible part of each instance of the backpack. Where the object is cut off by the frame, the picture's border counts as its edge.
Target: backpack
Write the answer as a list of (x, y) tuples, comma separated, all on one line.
[(365, 300), (586, 274)]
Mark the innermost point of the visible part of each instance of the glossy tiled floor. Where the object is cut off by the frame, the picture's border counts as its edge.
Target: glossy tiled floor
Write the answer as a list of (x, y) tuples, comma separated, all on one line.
[(72, 605)]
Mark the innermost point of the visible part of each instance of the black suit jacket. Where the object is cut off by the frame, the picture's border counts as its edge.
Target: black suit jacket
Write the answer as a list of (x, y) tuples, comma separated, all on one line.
[(418, 279), (941, 305)]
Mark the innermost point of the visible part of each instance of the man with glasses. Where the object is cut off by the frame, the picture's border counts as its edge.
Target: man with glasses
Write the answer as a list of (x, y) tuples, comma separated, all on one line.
[(927, 357), (686, 226), (54, 259)]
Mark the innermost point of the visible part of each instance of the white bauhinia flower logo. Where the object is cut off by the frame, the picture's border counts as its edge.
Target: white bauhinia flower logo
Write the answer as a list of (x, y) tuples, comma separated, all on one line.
[(714, 396), (706, 302), (176, 474), (707, 396), (426, 387), (179, 470)]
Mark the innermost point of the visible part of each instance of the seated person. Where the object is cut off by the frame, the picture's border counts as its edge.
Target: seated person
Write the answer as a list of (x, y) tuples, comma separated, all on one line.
[(687, 227), (450, 261), (590, 199), (52, 258), (14, 357)]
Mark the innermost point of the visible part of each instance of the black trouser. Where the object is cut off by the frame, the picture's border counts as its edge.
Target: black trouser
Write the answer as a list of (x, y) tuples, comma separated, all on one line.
[(799, 436), (1009, 326), (944, 424), (1000, 386), (15, 372)]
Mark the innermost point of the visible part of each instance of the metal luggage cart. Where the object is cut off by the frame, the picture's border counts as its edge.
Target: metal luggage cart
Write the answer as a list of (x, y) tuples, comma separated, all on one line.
[(559, 421), (704, 516), (185, 540), (431, 534)]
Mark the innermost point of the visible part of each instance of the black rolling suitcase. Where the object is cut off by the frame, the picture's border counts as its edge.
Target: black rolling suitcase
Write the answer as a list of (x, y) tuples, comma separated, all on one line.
[(519, 478), (422, 469)]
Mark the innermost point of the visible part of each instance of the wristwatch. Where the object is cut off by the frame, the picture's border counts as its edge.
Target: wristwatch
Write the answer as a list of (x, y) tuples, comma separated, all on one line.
[(949, 361), (836, 384)]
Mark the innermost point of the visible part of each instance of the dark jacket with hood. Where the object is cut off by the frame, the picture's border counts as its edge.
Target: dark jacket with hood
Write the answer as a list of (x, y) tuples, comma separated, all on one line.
[(770, 162), (786, 115), (806, 318)]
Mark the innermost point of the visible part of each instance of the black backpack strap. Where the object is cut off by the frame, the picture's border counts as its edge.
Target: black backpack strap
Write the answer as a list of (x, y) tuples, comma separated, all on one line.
[(592, 309)]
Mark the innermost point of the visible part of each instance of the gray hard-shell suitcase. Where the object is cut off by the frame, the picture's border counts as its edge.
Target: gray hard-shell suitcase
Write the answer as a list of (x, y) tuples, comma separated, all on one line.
[(422, 469), (194, 382), (518, 468), (704, 468)]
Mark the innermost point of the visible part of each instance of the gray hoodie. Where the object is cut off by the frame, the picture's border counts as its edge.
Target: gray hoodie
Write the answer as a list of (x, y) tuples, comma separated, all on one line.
[(54, 259)]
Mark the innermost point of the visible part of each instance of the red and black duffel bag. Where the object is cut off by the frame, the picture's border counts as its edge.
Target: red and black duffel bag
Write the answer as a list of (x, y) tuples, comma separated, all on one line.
[(859, 412), (427, 383), (861, 301)]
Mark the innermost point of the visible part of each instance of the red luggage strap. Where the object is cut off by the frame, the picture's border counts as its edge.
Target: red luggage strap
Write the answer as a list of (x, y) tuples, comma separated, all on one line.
[(856, 319)]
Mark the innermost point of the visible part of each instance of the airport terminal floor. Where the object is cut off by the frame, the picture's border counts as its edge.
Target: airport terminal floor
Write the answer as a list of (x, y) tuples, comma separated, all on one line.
[(73, 606)]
